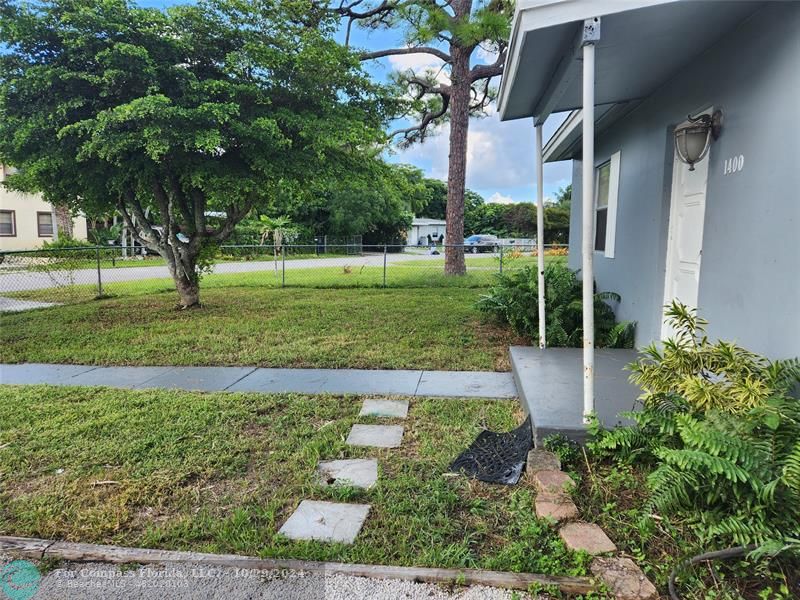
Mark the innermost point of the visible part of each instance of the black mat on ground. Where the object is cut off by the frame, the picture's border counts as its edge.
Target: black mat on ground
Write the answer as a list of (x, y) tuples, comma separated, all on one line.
[(496, 457)]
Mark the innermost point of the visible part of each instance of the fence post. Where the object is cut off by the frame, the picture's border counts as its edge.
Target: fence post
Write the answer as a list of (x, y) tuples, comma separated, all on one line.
[(99, 278), (501, 259), (384, 265), (283, 266)]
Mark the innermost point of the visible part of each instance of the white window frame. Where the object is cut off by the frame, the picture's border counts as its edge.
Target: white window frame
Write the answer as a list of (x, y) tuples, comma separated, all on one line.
[(611, 206)]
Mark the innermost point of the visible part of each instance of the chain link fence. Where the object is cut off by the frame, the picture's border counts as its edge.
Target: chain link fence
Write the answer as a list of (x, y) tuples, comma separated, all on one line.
[(35, 278)]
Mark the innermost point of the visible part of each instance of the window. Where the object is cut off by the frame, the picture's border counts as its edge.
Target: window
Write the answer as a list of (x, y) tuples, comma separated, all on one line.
[(8, 223), (44, 223), (605, 206), (601, 206)]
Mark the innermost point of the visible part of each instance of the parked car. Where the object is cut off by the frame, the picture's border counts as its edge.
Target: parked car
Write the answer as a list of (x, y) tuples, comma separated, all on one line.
[(481, 243)]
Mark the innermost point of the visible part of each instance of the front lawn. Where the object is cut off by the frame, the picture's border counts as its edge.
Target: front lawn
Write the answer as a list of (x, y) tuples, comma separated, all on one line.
[(358, 328), (222, 472)]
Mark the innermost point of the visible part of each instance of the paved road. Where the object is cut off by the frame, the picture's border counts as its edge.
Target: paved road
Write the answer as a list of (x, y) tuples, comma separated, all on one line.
[(18, 281), (101, 581), (466, 384)]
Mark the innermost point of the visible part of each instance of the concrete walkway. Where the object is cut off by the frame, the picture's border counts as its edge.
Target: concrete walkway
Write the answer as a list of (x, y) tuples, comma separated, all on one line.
[(468, 384)]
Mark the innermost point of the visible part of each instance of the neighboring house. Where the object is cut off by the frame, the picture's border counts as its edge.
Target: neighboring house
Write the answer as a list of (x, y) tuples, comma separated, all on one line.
[(722, 235), (421, 228), (27, 221)]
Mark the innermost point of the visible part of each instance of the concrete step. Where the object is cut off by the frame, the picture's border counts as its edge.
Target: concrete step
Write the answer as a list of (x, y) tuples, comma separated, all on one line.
[(549, 383)]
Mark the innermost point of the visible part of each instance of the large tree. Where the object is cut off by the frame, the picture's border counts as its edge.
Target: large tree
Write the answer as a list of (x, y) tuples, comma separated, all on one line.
[(450, 31), (165, 116)]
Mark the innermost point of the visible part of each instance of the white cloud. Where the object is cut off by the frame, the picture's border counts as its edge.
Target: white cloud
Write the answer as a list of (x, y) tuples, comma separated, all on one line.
[(486, 55), (498, 198), (500, 157), (415, 62)]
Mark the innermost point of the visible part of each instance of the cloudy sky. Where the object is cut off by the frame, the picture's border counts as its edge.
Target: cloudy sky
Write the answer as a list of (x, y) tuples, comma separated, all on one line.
[(500, 161)]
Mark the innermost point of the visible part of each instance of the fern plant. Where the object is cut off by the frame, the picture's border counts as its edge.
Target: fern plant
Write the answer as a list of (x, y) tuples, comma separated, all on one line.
[(514, 299), (722, 431)]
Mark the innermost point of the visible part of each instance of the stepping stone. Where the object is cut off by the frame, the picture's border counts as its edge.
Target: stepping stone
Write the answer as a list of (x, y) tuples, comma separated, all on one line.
[(553, 482), (624, 579), (377, 436), (362, 473), (325, 521), (586, 536), (558, 507), (384, 408), (542, 460)]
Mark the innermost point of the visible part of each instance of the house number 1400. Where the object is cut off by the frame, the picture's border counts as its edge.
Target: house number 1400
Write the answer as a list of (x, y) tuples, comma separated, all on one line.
[(733, 164)]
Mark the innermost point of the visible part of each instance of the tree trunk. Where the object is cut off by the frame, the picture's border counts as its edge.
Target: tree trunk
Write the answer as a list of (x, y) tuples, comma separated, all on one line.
[(63, 220), (457, 164), (184, 272)]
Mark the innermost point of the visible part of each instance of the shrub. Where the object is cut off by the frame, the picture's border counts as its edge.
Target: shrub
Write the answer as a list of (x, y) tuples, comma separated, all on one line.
[(514, 299), (721, 431), (67, 249)]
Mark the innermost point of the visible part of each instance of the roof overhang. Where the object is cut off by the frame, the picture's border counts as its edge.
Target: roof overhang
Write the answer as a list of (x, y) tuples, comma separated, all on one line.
[(643, 44), (565, 143)]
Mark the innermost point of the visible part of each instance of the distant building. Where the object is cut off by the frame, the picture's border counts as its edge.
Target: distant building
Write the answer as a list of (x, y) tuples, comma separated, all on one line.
[(27, 221), (421, 228)]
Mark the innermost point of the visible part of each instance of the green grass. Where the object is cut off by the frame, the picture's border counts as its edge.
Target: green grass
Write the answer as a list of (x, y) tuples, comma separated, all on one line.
[(368, 328), (222, 472)]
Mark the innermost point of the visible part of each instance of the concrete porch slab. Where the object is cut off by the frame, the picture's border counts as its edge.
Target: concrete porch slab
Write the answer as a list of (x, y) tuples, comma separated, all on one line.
[(325, 521), (467, 384), (376, 436), (374, 407), (358, 472), (550, 386), (34, 373)]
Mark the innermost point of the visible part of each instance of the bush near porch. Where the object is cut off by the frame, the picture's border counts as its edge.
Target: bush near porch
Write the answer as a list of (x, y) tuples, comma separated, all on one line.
[(712, 462), (514, 300)]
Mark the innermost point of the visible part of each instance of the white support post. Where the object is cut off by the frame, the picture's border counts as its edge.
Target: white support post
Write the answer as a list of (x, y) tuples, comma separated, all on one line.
[(587, 240), (540, 234)]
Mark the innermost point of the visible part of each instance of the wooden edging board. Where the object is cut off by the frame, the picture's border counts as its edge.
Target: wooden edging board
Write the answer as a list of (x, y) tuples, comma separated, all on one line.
[(40, 549)]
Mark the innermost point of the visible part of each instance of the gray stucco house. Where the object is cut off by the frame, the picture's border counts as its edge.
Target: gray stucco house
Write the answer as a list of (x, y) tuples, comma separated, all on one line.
[(682, 119), (722, 234)]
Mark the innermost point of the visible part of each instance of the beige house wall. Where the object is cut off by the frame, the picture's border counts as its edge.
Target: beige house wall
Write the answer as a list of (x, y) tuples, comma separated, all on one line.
[(25, 207)]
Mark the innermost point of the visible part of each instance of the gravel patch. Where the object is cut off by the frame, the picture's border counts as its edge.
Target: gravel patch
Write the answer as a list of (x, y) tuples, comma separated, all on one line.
[(102, 581)]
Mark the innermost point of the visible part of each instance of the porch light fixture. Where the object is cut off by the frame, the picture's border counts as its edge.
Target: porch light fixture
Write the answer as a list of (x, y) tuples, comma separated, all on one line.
[(693, 139)]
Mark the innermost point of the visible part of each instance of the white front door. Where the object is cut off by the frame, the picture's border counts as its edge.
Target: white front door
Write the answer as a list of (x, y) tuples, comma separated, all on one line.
[(685, 245)]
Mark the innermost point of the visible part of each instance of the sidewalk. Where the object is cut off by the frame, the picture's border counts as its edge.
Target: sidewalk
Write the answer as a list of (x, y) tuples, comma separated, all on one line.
[(467, 384)]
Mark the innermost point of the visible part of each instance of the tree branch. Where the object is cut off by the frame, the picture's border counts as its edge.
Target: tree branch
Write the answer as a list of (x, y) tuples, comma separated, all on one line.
[(150, 235), (440, 54), (235, 215), (488, 71), (426, 87), (183, 204), (130, 225), (482, 102), (426, 120)]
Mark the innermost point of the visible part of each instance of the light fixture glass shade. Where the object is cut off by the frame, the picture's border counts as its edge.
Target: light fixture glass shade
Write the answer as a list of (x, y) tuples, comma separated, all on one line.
[(692, 142)]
